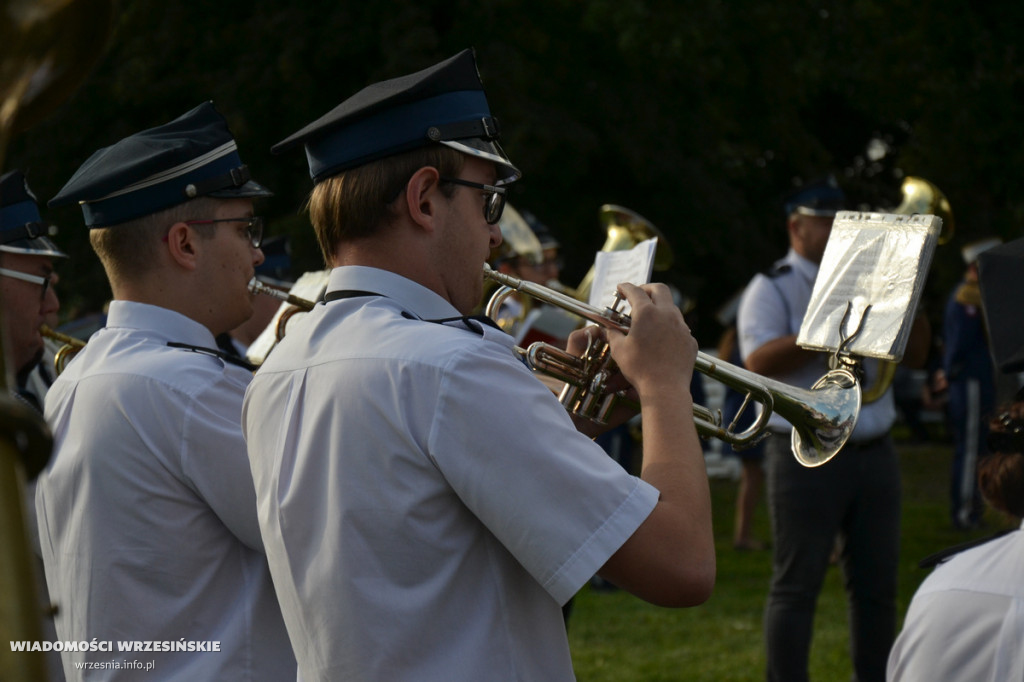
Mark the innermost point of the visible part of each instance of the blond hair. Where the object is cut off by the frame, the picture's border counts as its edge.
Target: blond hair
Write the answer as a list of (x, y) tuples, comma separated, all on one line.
[(128, 250), (355, 203)]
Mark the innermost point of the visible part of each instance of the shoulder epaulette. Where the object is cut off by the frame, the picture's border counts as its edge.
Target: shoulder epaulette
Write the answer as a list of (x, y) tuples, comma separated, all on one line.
[(945, 554), (778, 269)]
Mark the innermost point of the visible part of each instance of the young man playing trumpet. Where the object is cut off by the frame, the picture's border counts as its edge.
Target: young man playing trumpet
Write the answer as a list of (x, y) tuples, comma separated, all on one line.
[(147, 512), (427, 505)]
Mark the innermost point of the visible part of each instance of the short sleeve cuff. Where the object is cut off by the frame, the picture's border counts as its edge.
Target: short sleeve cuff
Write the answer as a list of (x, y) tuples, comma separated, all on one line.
[(604, 542)]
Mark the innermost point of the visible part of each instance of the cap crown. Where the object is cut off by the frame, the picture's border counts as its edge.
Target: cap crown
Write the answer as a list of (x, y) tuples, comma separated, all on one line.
[(444, 103), (194, 155), (22, 229), (822, 198)]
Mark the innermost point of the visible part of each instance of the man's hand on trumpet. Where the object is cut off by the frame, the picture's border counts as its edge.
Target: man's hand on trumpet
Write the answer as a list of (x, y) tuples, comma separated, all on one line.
[(658, 351), (656, 354)]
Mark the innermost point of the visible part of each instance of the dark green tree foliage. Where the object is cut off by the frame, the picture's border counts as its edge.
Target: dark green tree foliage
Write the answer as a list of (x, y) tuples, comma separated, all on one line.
[(699, 116)]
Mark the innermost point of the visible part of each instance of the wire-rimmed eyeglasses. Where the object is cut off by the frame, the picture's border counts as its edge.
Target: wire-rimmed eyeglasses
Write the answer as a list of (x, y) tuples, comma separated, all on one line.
[(495, 204), (43, 281), (253, 227)]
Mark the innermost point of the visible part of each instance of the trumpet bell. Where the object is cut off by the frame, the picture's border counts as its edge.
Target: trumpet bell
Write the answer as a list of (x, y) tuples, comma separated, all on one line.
[(832, 412)]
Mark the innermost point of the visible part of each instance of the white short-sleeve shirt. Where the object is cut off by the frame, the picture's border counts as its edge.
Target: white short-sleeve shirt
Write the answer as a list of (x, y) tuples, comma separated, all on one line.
[(426, 503), (773, 306), (147, 513), (966, 620)]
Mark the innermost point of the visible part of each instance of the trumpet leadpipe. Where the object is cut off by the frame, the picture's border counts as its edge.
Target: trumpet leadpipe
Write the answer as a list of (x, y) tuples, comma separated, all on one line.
[(258, 287), (66, 352), (67, 340)]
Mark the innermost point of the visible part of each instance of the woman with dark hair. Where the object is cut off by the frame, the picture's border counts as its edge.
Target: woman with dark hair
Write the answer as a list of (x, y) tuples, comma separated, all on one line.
[(966, 621)]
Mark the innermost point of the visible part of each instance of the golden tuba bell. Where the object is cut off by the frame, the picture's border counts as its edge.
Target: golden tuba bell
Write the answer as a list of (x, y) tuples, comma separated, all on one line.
[(920, 197), (625, 229), (924, 198)]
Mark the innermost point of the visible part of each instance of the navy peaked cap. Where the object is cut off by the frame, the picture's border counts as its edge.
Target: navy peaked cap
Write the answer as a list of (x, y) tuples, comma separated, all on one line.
[(192, 156), (22, 229), (543, 232), (277, 262), (823, 198), (443, 104)]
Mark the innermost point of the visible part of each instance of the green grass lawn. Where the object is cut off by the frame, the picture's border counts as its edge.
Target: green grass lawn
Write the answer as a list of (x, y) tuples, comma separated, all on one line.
[(617, 638)]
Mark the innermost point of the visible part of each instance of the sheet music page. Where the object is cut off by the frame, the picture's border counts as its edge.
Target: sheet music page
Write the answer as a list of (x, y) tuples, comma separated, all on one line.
[(611, 268), (872, 274)]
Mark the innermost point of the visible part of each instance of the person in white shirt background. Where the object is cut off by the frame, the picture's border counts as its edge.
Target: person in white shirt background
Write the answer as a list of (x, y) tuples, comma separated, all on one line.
[(147, 512)]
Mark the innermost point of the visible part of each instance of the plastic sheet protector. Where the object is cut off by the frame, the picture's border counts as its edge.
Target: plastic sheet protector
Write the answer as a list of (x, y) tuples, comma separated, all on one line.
[(871, 277)]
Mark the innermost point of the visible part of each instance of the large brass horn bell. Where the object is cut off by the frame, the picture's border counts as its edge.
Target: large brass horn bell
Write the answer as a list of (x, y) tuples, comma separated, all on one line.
[(924, 198), (625, 229)]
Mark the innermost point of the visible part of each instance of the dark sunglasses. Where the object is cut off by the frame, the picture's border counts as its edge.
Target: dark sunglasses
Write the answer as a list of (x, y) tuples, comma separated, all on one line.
[(253, 227), (495, 205)]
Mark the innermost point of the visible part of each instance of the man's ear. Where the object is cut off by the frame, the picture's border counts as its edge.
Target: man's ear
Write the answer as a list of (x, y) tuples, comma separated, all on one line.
[(793, 226), (423, 196), (181, 245)]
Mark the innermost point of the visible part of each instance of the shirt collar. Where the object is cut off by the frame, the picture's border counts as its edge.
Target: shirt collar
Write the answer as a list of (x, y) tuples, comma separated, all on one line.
[(411, 296), (161, 323)]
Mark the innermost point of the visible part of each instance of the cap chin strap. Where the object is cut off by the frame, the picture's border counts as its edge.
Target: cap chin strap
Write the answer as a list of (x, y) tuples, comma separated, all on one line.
[(236, 177), (486, 128), (26, 231)]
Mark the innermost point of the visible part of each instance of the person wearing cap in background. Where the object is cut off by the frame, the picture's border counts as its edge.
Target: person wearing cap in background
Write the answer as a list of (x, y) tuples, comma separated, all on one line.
[(967, 372), (27, 280), (852, 502), (543, 267), (274, 271), (147, 512), (534, 260), (427, 505), (28, 300)]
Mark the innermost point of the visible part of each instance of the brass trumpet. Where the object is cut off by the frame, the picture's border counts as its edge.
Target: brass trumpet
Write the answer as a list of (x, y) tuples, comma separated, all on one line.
[(66, 352), (823, 416), (258, 287), (299, 305)]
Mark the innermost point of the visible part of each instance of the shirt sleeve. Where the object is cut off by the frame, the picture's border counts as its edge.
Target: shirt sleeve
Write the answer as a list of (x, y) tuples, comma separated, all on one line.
[(763, 315), (552, 496), (215, 460)]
